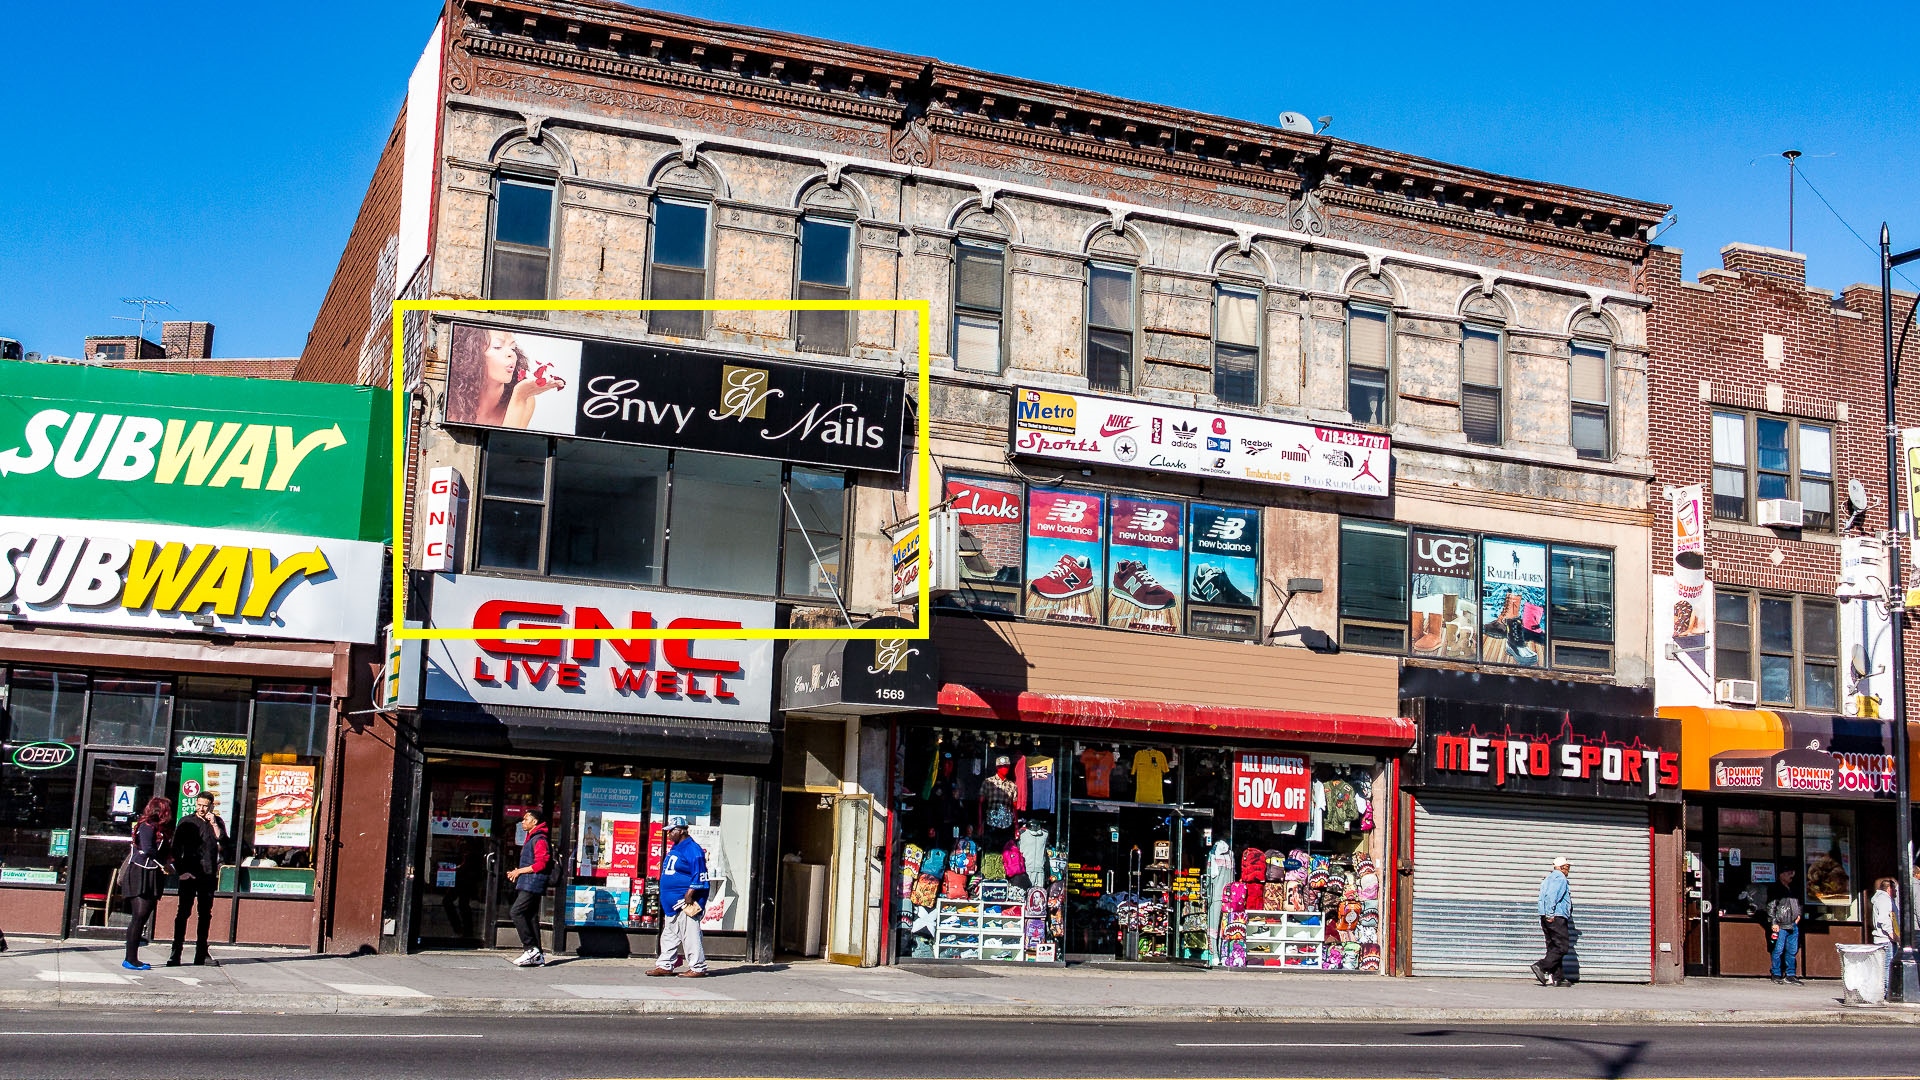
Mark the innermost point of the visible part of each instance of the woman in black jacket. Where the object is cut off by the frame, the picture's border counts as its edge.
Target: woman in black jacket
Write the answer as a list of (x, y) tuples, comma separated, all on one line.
[(145, 873)]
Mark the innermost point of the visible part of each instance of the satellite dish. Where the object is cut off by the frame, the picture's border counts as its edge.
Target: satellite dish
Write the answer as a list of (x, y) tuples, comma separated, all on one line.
[(1293, 121), (1856, 495)]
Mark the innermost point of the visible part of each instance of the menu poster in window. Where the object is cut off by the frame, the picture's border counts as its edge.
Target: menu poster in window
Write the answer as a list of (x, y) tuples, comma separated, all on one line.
[(512, 379), (283, 814), (1829, 878), (209, 778), (1225, 566), (1513, 595), (1065, 566), (1444, 597), (1148, 564), (992, 538)]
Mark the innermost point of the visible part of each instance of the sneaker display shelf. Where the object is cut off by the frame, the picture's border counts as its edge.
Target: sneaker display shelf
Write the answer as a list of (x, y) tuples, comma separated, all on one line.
[(1284, 938), (979, 930)]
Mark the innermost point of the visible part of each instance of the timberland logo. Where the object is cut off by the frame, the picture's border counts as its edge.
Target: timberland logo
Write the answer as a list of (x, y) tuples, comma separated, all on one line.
[(890, 656), (743, 393)]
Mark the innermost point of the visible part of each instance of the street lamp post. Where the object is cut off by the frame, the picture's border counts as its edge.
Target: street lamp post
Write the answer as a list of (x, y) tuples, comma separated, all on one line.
[(1903, 781)]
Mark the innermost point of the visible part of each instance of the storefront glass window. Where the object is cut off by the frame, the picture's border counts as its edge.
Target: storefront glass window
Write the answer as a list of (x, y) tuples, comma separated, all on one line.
[(1749, 861), (816, 519), (619, 844), (609, 511), (130, 712), (45, 705), (1826, 839), (726, 523), (276, 831), (212, 705)]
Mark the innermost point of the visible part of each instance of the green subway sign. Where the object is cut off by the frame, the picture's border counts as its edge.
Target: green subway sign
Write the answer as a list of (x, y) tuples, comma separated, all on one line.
[(311, 459)]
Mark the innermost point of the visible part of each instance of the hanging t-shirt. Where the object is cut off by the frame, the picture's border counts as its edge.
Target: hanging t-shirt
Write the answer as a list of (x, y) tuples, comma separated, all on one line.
[(1040, 783), (1020, 783), (1149, 766), (1099, 767)]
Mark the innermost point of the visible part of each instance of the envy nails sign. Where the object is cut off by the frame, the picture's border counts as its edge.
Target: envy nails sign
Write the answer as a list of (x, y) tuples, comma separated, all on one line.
[(694, 400), (730, 680)]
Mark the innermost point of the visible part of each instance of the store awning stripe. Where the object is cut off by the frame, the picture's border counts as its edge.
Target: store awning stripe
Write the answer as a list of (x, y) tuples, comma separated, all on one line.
[(1173, 718)]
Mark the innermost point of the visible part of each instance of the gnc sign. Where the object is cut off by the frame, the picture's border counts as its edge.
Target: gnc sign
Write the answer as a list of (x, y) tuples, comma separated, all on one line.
[(712, 679)]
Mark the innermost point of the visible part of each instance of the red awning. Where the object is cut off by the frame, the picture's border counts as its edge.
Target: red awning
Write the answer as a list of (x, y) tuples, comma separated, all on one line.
[(1172, 718)]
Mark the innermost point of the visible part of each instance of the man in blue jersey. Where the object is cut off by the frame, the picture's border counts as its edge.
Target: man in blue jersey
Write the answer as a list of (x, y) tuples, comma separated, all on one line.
[(683, 899)]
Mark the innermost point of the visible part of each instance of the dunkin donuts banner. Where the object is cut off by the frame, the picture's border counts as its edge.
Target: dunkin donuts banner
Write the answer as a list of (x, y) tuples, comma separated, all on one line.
[(1759, 752)]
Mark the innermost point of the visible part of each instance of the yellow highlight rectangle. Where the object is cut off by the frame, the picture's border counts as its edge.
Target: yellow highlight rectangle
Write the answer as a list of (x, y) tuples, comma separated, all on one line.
[(923, 464)]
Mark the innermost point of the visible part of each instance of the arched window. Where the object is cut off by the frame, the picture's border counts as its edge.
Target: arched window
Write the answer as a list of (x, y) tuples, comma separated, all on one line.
[(680, 257), (1237, 304), (1370, 352), (980, 292), (1483, 351), (1110, 326), (1590, 389)]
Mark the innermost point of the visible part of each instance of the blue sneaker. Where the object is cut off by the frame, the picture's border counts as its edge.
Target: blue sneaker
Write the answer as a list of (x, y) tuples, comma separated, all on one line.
[(131, 966)]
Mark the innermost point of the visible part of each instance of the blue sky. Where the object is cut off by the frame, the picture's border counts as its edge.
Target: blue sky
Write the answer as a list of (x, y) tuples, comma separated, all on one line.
[(214, 154)]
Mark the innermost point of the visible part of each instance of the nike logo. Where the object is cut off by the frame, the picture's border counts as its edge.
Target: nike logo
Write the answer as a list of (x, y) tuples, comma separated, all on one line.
[(1115, 425)]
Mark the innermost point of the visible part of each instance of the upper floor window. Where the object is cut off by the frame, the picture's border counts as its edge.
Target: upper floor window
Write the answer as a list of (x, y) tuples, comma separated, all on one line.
[(1790, 645), (1373, 586), (521, 255), (1758, 457), (979, 305), (1236, 344), (582, 509), (1482, 407), (1369, 363), (115, 351), (1110, 327), (826, 273), (679, 265), (1589, 393)]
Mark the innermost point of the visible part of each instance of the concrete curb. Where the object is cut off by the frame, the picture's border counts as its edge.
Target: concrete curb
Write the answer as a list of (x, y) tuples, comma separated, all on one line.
[(346, 1004)]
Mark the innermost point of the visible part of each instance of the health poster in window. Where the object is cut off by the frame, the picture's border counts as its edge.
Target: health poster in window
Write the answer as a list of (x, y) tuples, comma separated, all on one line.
[(1225, 565), (207, 778), (283, 814), (609, 807), (1148, 564), (1065, 566), (1513, 592), (993, 535), (512, 379), (1445, 613)]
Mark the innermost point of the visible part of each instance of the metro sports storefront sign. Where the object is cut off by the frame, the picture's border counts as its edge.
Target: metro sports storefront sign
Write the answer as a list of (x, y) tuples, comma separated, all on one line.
[(199, 450)]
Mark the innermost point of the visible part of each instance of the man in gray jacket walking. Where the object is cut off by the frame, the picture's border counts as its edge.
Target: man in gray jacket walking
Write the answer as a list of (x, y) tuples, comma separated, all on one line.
[(1556, 909)]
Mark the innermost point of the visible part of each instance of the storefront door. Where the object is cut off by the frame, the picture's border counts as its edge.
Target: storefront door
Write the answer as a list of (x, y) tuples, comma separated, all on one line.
[(116, 788), (464, 856), (1122, 856)]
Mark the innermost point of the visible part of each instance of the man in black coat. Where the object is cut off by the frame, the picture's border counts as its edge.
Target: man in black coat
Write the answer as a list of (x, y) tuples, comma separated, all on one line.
[(198, 844)]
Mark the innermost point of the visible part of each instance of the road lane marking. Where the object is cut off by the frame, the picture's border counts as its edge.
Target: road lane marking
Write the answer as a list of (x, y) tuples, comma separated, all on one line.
[(238, 1035), (1351, 1045)]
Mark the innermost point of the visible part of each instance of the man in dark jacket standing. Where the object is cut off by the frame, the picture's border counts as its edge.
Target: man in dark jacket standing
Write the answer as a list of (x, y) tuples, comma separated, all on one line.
[(683, 898), (529, 884), (198, 849)]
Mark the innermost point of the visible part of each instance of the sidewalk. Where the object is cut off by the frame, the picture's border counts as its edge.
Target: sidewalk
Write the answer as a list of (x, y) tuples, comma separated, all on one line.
[(48, 973)]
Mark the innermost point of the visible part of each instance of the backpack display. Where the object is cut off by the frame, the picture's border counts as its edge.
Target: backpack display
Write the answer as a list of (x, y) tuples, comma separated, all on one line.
[(1276, 866), (1253, 865), (935, 863), (954, 885), (925, 891)]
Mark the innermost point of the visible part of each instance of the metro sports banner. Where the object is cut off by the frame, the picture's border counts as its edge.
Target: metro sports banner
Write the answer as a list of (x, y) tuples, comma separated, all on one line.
[(121, 575), (310, 459), (1164, 438), (677, 398)]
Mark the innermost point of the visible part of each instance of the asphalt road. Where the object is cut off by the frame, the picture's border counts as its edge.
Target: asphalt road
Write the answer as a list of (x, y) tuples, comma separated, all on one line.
[(203, 1046)]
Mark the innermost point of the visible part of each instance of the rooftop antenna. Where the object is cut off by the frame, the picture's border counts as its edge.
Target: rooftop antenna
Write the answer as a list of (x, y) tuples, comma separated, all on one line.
[(145, 302), (1791, 156)]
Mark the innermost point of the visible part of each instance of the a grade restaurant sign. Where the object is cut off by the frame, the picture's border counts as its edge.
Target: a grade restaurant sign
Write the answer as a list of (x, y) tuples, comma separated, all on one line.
[(122, 575), (309, 459), (1163, 438), (714, 680)]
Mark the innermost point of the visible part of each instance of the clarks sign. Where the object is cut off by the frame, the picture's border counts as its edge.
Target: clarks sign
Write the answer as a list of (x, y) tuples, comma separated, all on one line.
[(715, 680), (678, 398), (99, 443)]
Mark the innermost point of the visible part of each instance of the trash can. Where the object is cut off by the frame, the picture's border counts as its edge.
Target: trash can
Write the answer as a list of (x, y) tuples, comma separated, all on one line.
[(1863, 971)]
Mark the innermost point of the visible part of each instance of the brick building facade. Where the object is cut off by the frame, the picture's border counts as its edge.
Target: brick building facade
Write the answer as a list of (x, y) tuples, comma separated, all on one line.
[(1763, 387), (1488, 335)]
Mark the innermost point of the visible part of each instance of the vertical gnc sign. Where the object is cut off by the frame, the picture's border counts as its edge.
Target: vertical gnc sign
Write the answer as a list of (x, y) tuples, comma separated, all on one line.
[(440, 529)]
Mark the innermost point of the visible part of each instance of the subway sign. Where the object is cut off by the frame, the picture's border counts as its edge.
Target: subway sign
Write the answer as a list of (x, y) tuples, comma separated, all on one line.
[(123, 575), (111, 445)]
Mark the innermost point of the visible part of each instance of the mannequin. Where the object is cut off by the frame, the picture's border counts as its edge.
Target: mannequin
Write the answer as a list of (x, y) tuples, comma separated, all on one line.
[(998, 796)]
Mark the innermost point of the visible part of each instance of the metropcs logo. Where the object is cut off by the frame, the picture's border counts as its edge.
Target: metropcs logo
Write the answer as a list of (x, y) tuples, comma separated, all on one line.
[(1563, 757), (127, 448), (1053, 412), (556, 664)]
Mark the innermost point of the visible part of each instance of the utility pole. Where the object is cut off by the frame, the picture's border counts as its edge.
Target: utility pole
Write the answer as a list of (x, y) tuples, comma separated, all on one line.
[(1896, 616), (1791, 156)]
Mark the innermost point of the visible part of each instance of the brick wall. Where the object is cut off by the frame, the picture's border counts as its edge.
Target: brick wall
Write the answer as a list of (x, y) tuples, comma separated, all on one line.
[(351, 315), (187, 340)]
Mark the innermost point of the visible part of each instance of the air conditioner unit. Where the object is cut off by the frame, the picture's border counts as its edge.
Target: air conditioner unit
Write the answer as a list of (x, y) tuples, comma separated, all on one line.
[(1785, 513), (1737, 692)]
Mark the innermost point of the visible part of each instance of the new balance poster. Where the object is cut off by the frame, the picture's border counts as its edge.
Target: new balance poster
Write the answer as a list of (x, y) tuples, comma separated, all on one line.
[(1148, 564), (1224, 569), (1065, 569)]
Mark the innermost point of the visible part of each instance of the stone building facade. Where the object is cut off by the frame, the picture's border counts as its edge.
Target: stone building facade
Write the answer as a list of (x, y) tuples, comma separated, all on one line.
[(1124, 256)]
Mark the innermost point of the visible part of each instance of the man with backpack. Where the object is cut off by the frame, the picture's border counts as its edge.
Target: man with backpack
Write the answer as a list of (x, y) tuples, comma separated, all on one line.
[(1783, 924), (529, 884)]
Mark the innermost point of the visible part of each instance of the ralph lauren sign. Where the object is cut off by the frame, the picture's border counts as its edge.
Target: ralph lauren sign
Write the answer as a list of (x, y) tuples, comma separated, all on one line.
[(679, 398)]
